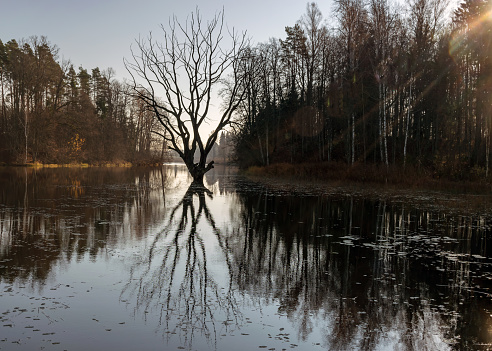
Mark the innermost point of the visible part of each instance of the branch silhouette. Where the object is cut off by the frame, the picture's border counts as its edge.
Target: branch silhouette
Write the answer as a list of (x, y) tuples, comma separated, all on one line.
[(174, 277)]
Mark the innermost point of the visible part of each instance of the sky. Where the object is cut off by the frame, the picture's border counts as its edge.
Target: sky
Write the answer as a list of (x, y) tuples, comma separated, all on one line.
[(99, 33)]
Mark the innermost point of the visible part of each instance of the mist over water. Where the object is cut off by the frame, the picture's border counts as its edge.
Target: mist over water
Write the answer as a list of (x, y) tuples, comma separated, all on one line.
[(136, 258)]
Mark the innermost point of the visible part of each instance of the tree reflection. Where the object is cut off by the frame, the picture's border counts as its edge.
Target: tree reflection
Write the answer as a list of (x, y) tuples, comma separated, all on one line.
[(379, 274), (49, 216), (367, 273), (174, 279)]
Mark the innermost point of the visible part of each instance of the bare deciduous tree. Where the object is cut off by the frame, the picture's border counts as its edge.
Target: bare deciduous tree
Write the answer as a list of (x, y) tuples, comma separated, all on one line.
[(179, 80)]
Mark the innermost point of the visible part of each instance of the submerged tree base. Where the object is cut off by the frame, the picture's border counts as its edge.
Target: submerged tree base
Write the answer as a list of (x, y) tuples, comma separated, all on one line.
[(197, 171)]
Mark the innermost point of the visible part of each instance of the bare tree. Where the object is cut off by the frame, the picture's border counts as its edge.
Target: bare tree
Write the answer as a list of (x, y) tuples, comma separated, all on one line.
[(179, 81)]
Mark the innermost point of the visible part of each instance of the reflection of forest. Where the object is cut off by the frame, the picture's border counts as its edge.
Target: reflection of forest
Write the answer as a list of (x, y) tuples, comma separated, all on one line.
[(378, 274), (368, 268), (216, 179), (370, 273), (52, 214)]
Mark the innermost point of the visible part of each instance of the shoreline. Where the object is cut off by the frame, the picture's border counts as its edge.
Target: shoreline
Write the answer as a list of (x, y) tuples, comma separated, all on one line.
[(326, 173), (368, 174), (80, 165)]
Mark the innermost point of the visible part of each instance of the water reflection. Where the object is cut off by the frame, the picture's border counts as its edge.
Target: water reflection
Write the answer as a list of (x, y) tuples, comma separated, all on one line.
[(205, 265), (173, 278), (382, 275), (50, 215)]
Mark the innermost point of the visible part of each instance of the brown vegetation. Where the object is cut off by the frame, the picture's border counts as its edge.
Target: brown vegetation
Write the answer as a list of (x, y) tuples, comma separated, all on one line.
[(368, 174)]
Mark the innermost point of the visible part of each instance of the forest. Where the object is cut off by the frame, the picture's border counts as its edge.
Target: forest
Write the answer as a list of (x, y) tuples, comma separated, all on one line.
[(53, 113), (375, 83), (384, 84)]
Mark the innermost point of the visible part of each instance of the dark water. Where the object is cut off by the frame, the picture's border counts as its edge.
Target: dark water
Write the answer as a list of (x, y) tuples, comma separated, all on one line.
[(126, 259)]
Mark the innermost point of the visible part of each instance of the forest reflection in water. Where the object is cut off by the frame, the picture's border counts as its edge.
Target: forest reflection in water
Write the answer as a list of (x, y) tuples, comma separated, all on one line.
[(244, 265)]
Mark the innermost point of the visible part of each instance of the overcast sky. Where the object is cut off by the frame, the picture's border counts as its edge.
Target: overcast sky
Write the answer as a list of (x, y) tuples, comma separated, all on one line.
[(98, 33)]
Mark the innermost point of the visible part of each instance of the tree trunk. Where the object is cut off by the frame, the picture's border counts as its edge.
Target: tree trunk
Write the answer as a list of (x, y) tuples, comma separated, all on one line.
[(353, 139), (406, 127), (380, 122), (198, 170), (385, 132)]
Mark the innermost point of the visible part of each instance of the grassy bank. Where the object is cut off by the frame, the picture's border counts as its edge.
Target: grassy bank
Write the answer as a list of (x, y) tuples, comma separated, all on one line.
[(80, 165), (367, 174)]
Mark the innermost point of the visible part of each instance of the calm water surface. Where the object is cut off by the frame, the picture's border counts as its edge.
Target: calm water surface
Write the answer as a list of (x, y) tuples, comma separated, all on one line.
[(125, 259)]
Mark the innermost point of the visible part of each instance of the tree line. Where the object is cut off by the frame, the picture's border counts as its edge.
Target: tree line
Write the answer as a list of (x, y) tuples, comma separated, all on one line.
[(51, 112), (381, 84)]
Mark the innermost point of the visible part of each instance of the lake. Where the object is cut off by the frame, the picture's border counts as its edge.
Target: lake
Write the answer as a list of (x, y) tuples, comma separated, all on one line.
[(135, 258)]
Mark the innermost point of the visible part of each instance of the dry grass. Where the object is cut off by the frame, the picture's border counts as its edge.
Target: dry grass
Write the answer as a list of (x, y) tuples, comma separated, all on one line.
[(368, 174), (72, 165)]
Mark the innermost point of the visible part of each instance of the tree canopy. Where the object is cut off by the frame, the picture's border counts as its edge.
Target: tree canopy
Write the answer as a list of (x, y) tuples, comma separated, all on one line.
[(176, 79), (383, 85), (54, 113)]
